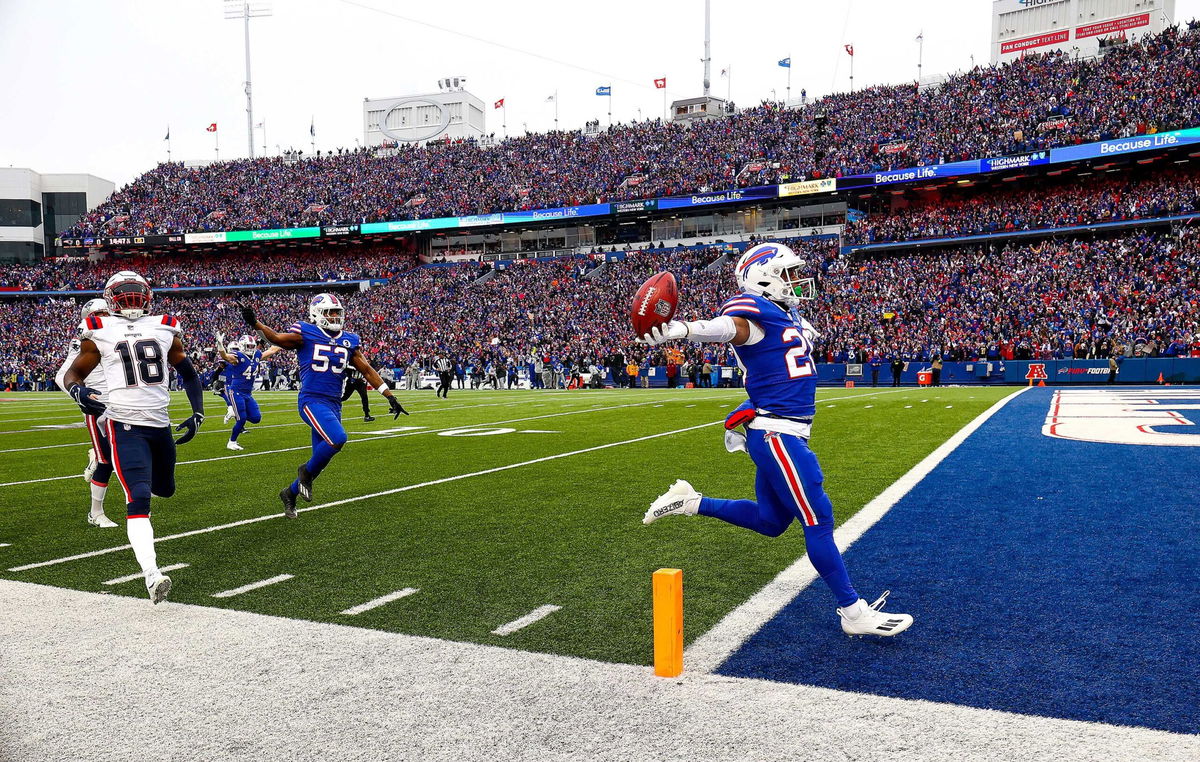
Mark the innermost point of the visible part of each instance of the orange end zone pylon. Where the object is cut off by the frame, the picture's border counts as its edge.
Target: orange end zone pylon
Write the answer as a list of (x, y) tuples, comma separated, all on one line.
[(668, 622)]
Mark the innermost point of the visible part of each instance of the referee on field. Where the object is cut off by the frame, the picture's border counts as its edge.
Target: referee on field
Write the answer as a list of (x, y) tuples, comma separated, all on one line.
[(356, 383), (443, 366)]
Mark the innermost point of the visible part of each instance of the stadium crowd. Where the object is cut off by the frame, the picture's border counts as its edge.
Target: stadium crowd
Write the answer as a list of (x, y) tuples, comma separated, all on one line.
[(1076, 201), (1132, 295), (1149, 84)]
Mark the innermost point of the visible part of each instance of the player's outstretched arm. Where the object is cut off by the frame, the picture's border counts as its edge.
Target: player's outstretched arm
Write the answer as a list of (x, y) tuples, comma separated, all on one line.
[(191, 386), (87, 360), (281, 340), (364, 367), (271, 351), (726, 329), (219, 339)]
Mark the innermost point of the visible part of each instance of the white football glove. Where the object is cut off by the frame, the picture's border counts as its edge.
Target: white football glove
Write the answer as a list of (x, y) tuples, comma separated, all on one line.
[(735, 441), (672, 331), (220, 338)]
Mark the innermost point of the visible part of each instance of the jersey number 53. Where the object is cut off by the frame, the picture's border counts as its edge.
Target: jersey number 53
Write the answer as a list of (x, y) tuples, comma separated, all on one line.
[(799, 363), (326, 357)]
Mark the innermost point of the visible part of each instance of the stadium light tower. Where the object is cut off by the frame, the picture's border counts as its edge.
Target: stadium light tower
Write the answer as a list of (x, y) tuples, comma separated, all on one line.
[(245, 10)]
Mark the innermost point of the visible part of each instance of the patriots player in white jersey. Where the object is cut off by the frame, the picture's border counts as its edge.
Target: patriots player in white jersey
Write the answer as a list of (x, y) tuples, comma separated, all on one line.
[(133, 349), (99, 468), (773, 344)]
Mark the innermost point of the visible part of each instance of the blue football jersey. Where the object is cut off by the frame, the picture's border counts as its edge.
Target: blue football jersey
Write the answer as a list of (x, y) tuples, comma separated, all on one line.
[(322, 360), (780, 375), (240, 377)]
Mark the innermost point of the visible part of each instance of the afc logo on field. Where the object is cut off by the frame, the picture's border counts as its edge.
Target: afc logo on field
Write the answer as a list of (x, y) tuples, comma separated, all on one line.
[(1037, 372)]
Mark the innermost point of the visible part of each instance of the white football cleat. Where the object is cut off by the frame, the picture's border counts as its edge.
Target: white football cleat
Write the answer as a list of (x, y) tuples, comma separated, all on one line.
[(158, 589), (680, 500), (861, 619), (231, 445), (102, 521), (91, 466), (230, 413)]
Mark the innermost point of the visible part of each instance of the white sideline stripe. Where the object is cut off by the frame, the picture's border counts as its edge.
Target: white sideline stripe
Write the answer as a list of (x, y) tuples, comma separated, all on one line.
[(541, 612), (252, 586), (5, 544), (139, 575), (381, 600), (268, 517), (365, 439), (710, 650)]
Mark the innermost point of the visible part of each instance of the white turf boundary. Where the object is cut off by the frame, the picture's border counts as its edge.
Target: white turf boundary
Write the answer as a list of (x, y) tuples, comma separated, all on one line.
[(711, 649), (92, 677)]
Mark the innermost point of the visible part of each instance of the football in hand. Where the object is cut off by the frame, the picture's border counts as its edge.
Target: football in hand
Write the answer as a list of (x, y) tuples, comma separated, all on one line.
[(654, 303)]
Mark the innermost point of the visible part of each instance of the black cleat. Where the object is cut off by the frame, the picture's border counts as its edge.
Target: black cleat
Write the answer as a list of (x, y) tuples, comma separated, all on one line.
[(368, 418), (289, 502), (305, 482)]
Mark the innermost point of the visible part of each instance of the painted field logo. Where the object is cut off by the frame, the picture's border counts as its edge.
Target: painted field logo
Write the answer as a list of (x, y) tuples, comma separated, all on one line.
[(1129, 417), (1037, 372)]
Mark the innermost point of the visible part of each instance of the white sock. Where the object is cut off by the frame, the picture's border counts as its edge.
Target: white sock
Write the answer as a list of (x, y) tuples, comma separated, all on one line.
[(141, 537), (98, 494), (856, 609)]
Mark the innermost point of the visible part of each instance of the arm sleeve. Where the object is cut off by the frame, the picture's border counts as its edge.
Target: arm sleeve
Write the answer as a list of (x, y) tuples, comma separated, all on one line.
[(716, 331), (191, 385)]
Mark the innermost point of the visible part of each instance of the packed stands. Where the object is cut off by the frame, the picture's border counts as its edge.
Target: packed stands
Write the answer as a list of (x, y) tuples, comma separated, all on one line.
[(1040, 101)]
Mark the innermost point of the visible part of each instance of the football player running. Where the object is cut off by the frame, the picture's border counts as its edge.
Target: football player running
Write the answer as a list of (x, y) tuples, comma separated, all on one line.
[(133, 349), (241, 366), (773, 344), (323, 351), (99, 468)]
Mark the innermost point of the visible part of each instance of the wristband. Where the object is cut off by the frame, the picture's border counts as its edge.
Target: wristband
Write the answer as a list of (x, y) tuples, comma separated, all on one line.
[(383, 388)]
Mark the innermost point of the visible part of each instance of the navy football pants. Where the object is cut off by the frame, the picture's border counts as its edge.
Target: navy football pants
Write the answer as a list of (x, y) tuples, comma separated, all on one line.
[(144, 460)]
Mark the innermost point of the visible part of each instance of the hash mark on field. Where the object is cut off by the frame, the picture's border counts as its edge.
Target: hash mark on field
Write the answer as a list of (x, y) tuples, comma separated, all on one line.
[(377, 602), (5, 544), (252, 586), (541, 612), (139, 575)]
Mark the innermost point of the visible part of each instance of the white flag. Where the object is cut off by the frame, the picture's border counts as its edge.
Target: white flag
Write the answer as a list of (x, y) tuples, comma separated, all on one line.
[(549, 99)]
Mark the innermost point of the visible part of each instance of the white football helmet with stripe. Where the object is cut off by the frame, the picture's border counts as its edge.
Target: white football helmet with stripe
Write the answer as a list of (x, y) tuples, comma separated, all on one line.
[(327, 312), (91, 307), (128, 295), (776, 272)]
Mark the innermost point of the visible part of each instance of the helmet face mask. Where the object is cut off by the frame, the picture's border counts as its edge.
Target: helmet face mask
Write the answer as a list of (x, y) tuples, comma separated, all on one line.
[(327, 312), (776, 272), (128, 295), (249, 344)]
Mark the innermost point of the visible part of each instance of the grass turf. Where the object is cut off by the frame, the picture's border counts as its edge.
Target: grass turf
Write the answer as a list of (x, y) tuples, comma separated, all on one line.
[(481, 550)]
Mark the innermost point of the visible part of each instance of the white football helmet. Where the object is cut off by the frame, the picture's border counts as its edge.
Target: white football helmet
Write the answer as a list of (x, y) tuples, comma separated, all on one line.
[(249, 344), (776, 272), (327, 312), (128, 295), (91, 307), (234, 347)]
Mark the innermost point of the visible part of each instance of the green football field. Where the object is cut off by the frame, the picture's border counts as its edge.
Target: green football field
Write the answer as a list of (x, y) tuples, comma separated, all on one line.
[(489, 505)]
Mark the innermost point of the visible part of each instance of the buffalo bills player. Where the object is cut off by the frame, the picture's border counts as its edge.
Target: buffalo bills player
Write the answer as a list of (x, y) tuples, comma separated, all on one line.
[(323, 350), (773, 344), (99, 468), (241, 368), (133, 349)]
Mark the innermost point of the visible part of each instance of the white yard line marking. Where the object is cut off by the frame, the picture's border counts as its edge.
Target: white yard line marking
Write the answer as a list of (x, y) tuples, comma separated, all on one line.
[(370, 439), (381, 600), (139, 575), (711, 649), (252, 586), (541, 612), (345, 501), (5, 544)]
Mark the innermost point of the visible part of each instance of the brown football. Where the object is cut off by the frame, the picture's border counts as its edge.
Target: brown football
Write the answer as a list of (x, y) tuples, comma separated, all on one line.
[(654, 303)]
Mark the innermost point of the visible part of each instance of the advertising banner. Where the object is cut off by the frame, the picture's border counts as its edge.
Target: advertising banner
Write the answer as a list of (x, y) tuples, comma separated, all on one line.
[(1038, 41), (1113, 25), (562, 213), (190, 238), (331, 230), (807, 187), (475, 220), (953, 169), (632, 207), (723, 197), (408, 226), (271, 235), (1016, 162), (1190, 136)]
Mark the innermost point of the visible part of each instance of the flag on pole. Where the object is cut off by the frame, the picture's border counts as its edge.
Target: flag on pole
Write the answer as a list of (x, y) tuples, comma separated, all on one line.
[(921, 36), (661, 83), (258, 126), (210, 128), (850, 50), (312, 128), (499, 104), (604, 90), (724, 72), (786, 62), (549, 99), (168, 137)]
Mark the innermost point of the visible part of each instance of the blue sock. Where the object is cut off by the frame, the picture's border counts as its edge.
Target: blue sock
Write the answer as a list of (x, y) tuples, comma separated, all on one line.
[(746, 514), (323, 452), (827, 560), (238, 428)]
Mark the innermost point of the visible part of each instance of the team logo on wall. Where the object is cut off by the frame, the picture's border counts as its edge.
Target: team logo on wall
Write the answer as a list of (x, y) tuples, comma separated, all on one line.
[(432, 130), (1037, 372)]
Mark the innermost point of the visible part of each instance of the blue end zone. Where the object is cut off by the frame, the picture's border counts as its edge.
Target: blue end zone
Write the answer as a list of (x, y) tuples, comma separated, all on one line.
[(1046, 576)]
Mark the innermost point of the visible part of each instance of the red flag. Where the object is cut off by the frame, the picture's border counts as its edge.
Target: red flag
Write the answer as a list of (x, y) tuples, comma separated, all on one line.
[(211, 128), (499, 103), (850, 49), (661, 83)]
